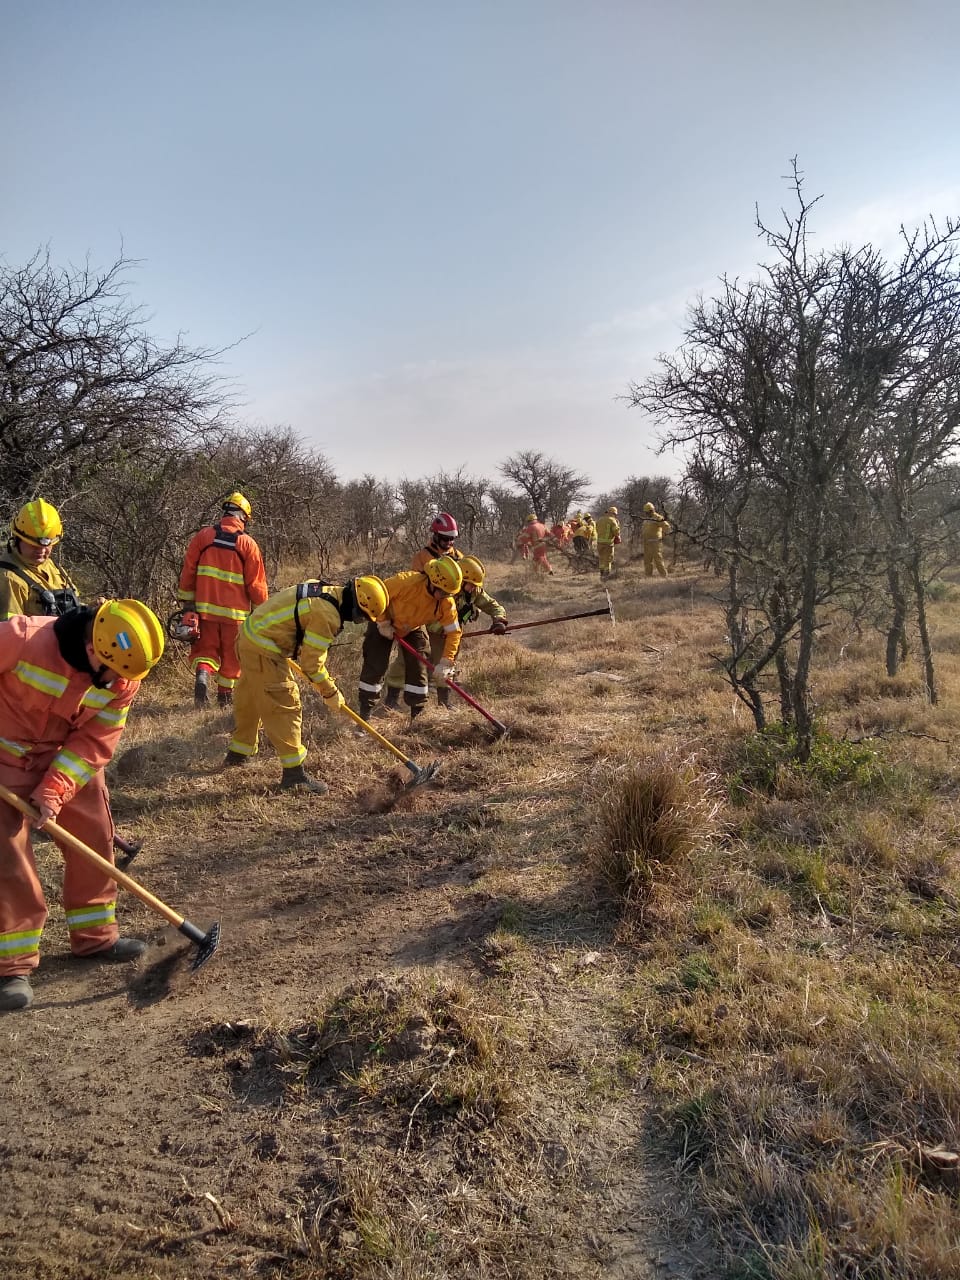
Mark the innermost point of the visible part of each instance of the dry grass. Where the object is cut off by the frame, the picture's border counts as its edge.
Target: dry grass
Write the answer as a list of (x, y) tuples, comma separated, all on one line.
[(748, 1032)]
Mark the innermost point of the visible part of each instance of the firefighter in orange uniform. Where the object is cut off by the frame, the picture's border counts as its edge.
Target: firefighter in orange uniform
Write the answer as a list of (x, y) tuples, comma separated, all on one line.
[(66, 685), (222, 579), (534, 535)]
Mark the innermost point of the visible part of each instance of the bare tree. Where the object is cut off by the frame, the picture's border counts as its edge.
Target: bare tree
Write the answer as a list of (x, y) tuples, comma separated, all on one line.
[(550, 488), (782, 397), (80, 378)]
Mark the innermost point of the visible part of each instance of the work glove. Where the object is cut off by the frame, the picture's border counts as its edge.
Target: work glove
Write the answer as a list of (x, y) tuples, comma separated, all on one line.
[(617, 540), (385, 627), (334, 701), (498, 626), (443, 669)]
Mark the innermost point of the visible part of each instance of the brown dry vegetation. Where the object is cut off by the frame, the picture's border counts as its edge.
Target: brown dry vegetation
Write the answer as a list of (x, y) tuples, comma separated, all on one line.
[(621, 995)]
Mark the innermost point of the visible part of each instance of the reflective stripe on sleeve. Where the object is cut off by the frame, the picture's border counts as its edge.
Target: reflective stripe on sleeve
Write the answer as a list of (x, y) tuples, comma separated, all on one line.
[(80, 770), (39, 678)]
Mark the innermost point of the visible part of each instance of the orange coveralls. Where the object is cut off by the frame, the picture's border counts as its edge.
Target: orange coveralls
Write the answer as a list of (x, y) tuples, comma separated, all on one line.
[(57, 732), (222, 579), (534, 535)]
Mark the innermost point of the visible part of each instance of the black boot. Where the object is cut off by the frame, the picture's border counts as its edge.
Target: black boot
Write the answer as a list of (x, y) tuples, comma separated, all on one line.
[(366, 704), (234, 760), (201, 689), (15, 993), (416, 710), (392, 700), (443, 698), (297, 779), (224, 698)]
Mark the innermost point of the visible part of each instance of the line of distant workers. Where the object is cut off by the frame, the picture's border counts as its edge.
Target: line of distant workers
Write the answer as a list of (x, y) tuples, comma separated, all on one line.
[(585, 534)]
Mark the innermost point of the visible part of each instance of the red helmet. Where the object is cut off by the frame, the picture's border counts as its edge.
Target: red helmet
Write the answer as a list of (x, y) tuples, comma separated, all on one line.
[(445, 524)]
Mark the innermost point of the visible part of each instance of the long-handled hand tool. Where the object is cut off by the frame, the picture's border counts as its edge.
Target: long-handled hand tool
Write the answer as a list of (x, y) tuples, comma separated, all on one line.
[(545, 622), (500, 727), (206, 943), (129, 849), (420, 774)]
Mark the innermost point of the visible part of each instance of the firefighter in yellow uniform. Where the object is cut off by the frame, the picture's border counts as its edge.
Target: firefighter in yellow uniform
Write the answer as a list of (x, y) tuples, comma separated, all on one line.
[(470, 601), (31, 584), (608, 536), (297, 625), (416, 600), (652, 532)]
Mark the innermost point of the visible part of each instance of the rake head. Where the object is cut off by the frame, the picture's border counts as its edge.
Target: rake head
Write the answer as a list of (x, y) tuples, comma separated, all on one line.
[(206, 943), (421, 775)]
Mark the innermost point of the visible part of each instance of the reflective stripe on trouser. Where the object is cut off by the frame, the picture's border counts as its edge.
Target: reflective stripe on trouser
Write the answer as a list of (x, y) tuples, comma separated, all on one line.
[(216, 648), (89, 896), (376, 657), (653, 559), (266, 693), (397, 671), (605, 555)]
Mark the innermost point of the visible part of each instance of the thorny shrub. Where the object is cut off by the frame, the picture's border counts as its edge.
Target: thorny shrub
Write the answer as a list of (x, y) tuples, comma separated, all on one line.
[(766, 759)]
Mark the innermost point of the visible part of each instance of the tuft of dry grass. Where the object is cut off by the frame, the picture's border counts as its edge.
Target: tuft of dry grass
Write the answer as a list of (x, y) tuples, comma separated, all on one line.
[(655, 813)]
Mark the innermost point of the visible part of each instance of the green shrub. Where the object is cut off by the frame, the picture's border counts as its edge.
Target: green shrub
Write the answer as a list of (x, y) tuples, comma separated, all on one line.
[(765, 759)]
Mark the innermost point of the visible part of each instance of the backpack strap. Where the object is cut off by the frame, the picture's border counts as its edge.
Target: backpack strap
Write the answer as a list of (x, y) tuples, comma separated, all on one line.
[(309, 591)]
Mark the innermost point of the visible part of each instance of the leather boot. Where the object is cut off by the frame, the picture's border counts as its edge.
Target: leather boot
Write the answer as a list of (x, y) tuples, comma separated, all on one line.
[(201, 689), (416, 710), (297, 779), (366, 704), (392, 700), (443, 698), (234, 760), (224, 698), (122, 951), (15, 993)]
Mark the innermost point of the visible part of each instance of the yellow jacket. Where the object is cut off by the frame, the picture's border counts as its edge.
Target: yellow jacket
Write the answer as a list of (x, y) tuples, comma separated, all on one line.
[(608, 528), (272, 626), (425, 555), (654, 527), (413, 604), (18, 597)]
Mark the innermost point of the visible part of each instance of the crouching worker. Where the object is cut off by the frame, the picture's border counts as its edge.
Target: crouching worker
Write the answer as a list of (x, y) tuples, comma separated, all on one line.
[(470, 601), (297, 625), (66, 685), (416, 600)]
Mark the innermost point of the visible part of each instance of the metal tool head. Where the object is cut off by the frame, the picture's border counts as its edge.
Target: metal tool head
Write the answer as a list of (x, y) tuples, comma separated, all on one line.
[(207, 946), (421, 775), (613, 616)]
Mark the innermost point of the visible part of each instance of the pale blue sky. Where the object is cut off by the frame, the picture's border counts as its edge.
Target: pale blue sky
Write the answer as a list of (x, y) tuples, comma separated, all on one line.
[(454, 230)]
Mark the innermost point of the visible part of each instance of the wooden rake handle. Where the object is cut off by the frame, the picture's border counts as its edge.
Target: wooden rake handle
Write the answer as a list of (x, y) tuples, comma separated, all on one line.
[(77, 845)]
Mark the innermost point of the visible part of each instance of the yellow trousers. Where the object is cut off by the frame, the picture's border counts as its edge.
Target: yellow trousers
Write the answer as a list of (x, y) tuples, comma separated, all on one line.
[(605, 556), (653, 559), (266, 693)]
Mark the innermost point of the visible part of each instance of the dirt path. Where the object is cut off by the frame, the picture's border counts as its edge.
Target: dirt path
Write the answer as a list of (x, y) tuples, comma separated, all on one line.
[(149, 1128)]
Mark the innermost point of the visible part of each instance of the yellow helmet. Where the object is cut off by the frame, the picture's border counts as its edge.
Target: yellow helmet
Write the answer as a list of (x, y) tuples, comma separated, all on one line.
[(472, 570), (127, 637), (445, 575), (531, 518), (38, 522), (649, 509), (612, 511), (587, 516), (236, 499), (372, 595)]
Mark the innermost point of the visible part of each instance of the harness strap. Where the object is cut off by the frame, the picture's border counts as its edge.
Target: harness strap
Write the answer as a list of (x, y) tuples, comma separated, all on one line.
[(309, 591)]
